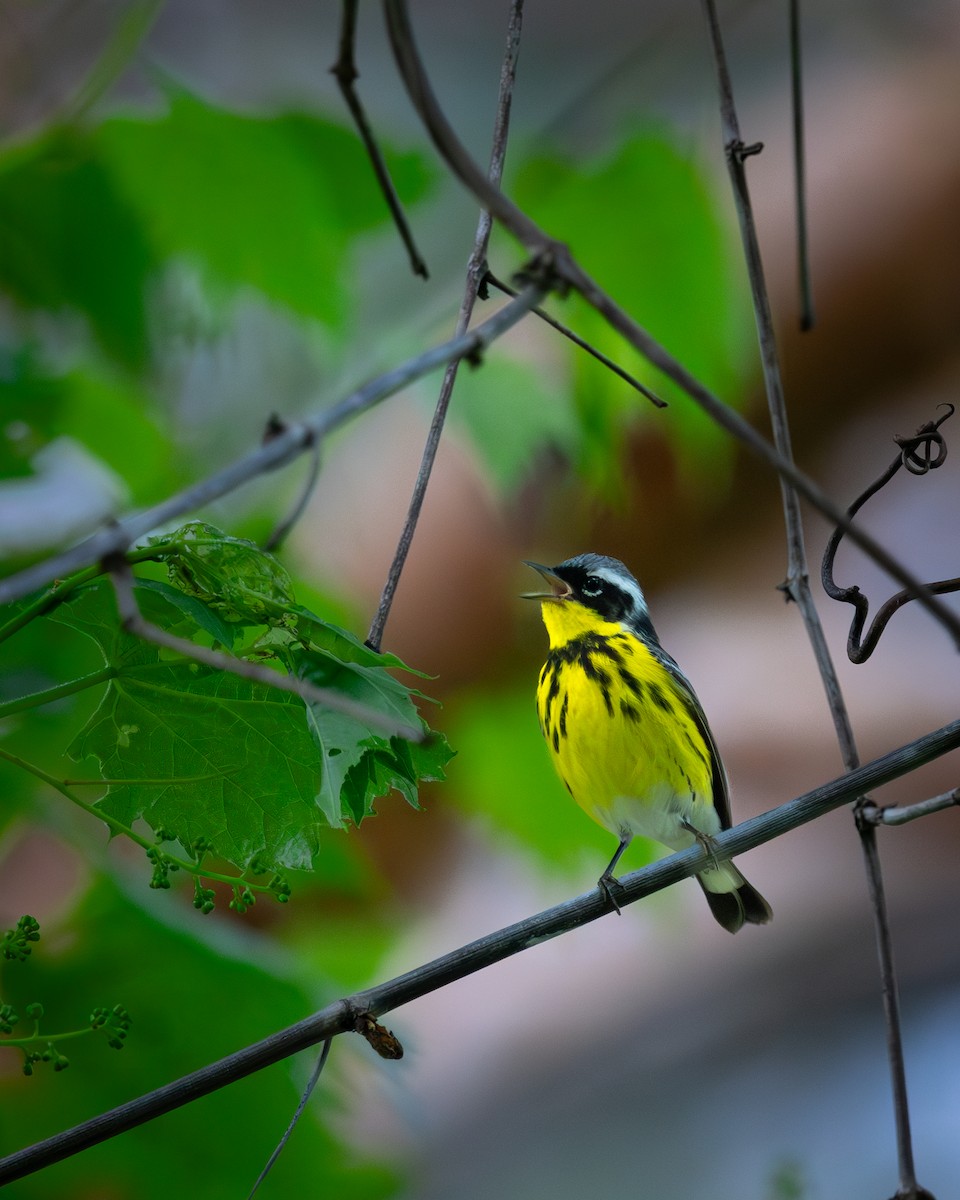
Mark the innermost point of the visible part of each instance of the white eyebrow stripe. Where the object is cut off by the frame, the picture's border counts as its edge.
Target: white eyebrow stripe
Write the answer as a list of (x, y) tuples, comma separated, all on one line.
[(627, 585)]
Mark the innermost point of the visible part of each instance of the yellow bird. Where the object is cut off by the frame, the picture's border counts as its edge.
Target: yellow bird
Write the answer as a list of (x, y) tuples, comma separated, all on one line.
[(626, 731)]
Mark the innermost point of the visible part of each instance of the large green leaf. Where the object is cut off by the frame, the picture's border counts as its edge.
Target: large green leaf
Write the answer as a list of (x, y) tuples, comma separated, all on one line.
[(220, 758), (205, 755)]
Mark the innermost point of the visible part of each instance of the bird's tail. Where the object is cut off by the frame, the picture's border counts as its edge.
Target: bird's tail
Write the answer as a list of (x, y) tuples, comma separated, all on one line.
[(732, 900)]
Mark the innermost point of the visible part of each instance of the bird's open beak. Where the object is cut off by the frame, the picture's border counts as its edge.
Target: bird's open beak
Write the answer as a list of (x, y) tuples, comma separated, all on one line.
[(558, 589)]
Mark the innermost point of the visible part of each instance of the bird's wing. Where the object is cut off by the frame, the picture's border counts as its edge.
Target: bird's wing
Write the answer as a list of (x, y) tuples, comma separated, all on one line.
[(721, 793)]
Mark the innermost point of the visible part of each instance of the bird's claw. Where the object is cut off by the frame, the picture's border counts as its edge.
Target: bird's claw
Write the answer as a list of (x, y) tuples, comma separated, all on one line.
[(606, 884)]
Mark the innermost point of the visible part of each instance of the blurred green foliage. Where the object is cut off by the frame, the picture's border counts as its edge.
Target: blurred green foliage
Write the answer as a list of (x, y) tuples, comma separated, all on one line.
[(192, 1001), (643, 220)]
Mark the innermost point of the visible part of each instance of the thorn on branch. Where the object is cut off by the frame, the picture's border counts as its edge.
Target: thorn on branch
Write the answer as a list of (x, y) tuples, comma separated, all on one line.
[(741, 151), (923, 452), (274, 427)]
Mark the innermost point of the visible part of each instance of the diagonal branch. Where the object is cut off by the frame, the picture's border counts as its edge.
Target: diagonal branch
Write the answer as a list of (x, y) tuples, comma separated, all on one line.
[(134, 622), (577, 340), (282, 446), (570, 272), (342, 1015), (797, 585)]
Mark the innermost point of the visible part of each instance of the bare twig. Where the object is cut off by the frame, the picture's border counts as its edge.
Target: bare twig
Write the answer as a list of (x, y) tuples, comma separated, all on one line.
[(341, 1016), (346, 74), (909, 1189), (476, 268), (280, 531), (134, 622), (807, 317), (582, 343), (892, 815), (292, 440), (797, 583), (923, 452), (126, 39), (567, 270)]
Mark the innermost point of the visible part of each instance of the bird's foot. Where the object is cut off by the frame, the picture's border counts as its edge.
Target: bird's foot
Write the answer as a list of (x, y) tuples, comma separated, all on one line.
[(705, 841), (606, 883)]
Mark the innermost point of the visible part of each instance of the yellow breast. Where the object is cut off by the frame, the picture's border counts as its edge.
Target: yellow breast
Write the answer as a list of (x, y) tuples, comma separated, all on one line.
[(620, 730)]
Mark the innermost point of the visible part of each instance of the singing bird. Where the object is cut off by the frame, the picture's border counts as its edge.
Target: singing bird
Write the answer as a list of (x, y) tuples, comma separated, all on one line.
[(625, 729)]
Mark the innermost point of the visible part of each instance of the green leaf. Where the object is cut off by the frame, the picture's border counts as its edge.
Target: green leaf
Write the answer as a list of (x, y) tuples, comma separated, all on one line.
[(232, 576), (341, 742), (204, 754), (268, 202), (231, 760), (371, 764), (73, 241), (110, 416), (200, 615), (342, 644)]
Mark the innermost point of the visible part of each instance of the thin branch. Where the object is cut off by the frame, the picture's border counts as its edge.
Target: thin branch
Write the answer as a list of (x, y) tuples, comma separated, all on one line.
[(582, 343), (342, 1016), (807, 317), (909, 1189), (128, 35), (924, 452), (892, 815), (476, 268), (346, 74), (797, 584), (134, 622), (307, 1093), (280, 531), (567, 270), (277, 450)]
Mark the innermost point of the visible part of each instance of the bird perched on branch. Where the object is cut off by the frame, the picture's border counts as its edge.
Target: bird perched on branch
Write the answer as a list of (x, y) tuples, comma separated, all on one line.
[(626, 731)]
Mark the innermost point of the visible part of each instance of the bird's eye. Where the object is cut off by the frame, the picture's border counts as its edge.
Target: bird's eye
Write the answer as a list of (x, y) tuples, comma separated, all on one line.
[(592, 586)]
